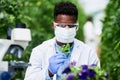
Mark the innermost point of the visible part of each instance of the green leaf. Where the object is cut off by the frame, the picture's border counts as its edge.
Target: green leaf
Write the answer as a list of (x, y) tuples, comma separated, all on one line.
[(65, 48)]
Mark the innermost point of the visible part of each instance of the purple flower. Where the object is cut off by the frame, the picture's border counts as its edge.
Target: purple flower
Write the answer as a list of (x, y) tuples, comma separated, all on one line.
[(82, 75), (93, 65), (83, 72), (91, 73), (84, 67), (70, 76), (72, 63), (106, 75), (66, 70)]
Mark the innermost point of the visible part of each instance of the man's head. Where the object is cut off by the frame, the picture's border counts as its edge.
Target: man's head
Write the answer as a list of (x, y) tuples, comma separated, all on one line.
[(65, 22), (65, 8), (90, 18)]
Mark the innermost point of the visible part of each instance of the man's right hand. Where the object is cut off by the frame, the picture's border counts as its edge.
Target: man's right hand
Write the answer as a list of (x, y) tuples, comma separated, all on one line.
[(55, 62)]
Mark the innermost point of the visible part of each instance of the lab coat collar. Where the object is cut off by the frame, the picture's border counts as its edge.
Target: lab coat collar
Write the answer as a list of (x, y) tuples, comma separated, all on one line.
[(53, 41)]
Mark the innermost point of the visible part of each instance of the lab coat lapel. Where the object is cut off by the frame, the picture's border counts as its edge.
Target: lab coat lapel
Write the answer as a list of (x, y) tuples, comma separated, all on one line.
[(76, 52), (74, 55), (52, 48)]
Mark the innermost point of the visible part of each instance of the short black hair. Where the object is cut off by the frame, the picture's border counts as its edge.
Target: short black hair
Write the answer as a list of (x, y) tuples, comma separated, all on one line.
[(90, 18), (66, 8)]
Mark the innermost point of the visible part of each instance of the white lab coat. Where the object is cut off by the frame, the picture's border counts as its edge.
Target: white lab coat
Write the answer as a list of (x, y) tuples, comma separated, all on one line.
[(90, 35), (81, 53)]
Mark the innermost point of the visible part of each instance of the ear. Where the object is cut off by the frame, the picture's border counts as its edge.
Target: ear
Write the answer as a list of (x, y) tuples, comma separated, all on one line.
[(53, 25)]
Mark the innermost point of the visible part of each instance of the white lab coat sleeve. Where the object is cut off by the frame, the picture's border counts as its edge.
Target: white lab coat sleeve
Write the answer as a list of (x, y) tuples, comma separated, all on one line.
[(36, 71), (93, 58)]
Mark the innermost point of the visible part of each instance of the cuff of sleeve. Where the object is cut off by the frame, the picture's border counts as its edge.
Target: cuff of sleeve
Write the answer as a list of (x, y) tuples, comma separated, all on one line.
[(47, 76)]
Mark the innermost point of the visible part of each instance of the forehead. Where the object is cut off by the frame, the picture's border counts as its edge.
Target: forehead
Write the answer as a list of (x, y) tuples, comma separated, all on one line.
[(65, 19)]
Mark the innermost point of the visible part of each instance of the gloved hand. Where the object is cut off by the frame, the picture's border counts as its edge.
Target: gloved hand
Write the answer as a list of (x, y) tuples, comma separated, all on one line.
[(56, 61)]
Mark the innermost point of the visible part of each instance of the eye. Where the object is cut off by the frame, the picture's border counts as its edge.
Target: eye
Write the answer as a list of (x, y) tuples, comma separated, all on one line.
[(61, 25), (71, 26)]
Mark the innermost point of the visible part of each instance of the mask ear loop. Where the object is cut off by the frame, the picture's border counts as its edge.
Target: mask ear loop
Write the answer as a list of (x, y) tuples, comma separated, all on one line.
[(77, 27)]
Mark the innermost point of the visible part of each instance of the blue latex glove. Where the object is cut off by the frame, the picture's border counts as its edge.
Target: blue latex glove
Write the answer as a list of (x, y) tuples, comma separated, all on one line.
[(56, 61)]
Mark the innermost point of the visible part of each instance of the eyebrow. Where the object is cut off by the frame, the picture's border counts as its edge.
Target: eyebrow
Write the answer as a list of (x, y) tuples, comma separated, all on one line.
[(66, 23)]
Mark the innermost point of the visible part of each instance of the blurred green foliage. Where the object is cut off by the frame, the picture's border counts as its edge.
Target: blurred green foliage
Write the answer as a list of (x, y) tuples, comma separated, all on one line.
[(110, 42), (38, 17), (9, 15)]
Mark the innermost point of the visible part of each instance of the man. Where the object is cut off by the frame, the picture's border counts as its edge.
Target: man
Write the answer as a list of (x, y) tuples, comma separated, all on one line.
[(89, 33), (47, 61)]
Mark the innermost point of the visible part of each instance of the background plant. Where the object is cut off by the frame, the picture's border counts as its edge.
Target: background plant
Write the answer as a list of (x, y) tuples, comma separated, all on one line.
[(110, 42)]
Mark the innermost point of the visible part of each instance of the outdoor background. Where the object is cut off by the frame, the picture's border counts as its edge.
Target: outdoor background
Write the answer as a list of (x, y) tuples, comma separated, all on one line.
[(38, 16)]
